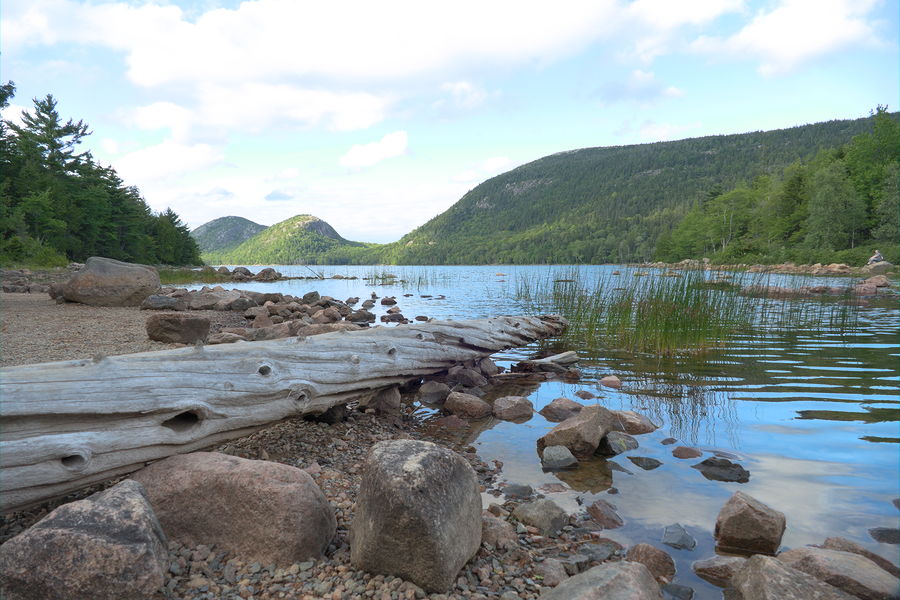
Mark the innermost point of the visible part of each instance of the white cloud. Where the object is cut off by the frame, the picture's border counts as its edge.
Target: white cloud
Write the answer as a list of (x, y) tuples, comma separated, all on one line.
[(367, 155), (266, 40), (13, 114), (465, 94), (665, 14), (164, 160), (652, 131), (796, 31), (109, 146), (484, 170), (164, 115), (641, 86)]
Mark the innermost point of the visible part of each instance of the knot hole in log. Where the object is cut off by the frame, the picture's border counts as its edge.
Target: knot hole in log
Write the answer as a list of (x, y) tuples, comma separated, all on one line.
[(182, 422), (299, 395), (76, 461), (264, 370), (392, 352)]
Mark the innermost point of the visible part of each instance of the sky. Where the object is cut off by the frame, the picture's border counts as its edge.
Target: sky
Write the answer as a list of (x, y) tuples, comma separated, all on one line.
[(378, 116)]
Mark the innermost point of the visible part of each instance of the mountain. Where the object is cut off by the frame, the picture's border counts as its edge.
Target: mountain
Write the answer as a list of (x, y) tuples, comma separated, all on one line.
[(600, 205), (223, 233), (300, 239)]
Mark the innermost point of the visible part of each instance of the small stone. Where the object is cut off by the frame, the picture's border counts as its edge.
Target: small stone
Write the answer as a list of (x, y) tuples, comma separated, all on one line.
[(552, 572), (616, 442), (719, 570), (677, 592), (604, 513), (722, 469), (544, 514), (645, 462), (557, 457), (686, 452), (611, 381), (677, 536), (885, 535), (668, 441), (657, 561), (518, 490)]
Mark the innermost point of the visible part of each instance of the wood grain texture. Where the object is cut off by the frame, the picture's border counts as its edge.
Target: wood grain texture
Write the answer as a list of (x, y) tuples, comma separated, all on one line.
[(65, 425)]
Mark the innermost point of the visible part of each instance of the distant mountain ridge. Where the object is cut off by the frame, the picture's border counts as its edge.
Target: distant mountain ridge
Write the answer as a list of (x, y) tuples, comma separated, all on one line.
[(223, 233), (297, 240)]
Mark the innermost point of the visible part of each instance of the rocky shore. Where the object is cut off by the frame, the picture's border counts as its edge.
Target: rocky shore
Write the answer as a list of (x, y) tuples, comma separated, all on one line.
[(788, 268)]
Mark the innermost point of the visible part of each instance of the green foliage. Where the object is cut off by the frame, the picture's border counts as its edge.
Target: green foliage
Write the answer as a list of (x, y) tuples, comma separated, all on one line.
[(59, 205), (301, 239), (837, 207)]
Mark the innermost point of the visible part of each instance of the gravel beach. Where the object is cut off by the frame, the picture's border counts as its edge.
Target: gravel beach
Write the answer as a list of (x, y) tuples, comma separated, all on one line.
[(34, 328)]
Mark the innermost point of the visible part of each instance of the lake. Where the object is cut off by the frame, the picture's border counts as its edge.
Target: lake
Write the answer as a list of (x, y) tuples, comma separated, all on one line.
[(811, 411)]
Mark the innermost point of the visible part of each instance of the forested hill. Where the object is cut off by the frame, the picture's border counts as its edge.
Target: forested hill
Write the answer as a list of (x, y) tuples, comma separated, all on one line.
[(603, 205), (299, 240), (225, 233)]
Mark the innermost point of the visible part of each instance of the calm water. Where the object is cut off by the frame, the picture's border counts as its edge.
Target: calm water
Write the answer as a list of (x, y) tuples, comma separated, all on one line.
[(814, 415)]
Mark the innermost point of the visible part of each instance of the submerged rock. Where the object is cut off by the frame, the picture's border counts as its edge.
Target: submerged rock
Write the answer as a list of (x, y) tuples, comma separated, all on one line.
[(722, 469), (616, 442), (677, 536), (645, 462), (604, 513), (557, 457)]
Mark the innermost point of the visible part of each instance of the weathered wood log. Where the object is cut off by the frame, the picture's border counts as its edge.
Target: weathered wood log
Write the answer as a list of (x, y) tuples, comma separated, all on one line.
[(66, 425)]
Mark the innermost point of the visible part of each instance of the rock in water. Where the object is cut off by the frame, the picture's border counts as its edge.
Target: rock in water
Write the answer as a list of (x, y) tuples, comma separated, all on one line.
[(581, 434), (628, 421), (604, 513), (845, 545), (719, 570), (433, 392), (855, 574), (466, 406), (747, 526), (513, 408), (561, 409), (609, 581), (657, 561), (544, 514), (259, 510), (677, 536), (177, 328), (418, 514), (108, 282), (107, 546), (722, 469), (557, 457), (767, 578), (616, 442)]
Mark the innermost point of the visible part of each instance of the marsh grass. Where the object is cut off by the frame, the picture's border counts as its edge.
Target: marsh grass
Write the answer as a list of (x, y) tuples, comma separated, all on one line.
[(668, 315), (188, 276)]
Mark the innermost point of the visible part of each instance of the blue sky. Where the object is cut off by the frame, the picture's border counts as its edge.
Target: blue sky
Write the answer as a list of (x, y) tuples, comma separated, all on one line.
[(377, 116)]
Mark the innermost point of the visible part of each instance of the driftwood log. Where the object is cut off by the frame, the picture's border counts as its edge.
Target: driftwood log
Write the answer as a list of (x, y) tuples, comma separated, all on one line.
[(66, 425)]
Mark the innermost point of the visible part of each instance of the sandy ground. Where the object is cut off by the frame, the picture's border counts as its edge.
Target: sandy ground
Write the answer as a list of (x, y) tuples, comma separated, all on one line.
[(35, 329)]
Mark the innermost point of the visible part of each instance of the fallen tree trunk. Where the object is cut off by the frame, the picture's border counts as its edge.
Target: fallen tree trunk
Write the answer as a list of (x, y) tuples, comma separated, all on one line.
[(65, 425)]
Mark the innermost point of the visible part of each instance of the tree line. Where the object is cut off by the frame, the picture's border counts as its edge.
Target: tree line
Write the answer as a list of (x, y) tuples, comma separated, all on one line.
[(59, 205), (837, 207)]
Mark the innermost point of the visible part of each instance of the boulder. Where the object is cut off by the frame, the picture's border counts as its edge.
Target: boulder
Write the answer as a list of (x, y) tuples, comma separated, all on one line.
[(611, 381), (628, 421), (258, 510), (488, 367), (513, 408), (223, 271), (616, 442), (557, 457), (767, 578), (885, 535), (610, 581), (855, 574), (177, 328), (719, 570), (498, 532), (604, 513), (645, 462), (878, 281), (747, 526), (544, 514), (466, 406), (159, 302), (108, 282), (361, 316), (722, 469), (212, 300), (466, 377), (657, 561), (686, 452), (561, 409), (551, 571), (878, 268), (268, 274), (418, 514), (845, 545), (383, 402), (433, 392), (108, 546), (676, 535), (581, 434)]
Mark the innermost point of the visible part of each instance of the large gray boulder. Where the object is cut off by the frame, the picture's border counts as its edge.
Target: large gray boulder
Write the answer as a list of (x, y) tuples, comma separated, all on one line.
[(767, 578), (561, 409), (107, 546), (258, 510), (878, 268), (513, 408), (418, 514), (466, 406), (108, 282), (581, 433), (610, 581), (747, 526), (855, 574), (845, 545)]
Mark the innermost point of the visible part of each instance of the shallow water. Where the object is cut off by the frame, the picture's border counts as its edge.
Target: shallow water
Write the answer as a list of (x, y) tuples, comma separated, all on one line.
[(811, 412)]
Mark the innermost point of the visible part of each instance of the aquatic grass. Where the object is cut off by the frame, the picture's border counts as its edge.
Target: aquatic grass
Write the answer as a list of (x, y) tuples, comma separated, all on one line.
[(686, 312)]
